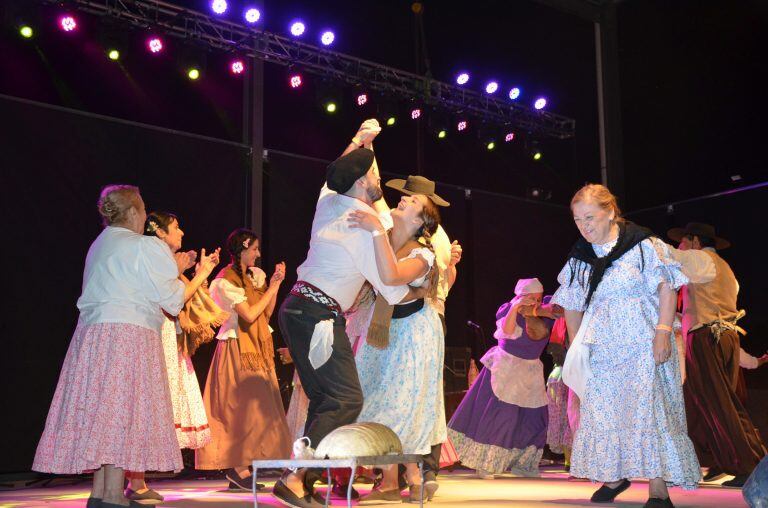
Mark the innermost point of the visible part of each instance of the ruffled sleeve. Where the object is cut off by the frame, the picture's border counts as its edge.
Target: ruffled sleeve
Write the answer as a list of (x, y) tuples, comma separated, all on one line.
[(425, 253), (258, 277), (226, 294), (571, 294), (499, 334), (161, 275), (659, 266)]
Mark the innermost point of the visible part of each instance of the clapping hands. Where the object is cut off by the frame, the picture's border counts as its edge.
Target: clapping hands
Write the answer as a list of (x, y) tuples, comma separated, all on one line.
[(279, 275)]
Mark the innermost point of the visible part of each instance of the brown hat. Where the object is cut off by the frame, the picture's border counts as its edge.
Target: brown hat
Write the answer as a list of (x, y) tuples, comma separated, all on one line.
[(417, 185), (701, 230), (344, 171)]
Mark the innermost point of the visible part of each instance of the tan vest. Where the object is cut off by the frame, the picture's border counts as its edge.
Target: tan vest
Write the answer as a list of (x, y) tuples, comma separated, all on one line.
[(711, 301)]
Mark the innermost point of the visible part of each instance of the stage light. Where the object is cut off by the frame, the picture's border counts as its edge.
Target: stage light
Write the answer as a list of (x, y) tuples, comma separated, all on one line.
[(327, 38), (490, 145), (391, 121), (219, 6), (237, 67), (113, 54), (462, 78), (362, 99), (491, 87), (330, 107), (252, 15), (442, 133), (509, 137), (26, 32), (67, 23), (537, 155), (297, 28), (415, 114), (295, 81), (193, 74), (514, 93), (155, 45), (540, 103), (462, 125)]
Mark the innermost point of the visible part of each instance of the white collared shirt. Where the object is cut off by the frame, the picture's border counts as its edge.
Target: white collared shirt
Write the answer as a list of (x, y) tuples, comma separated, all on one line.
[(129, 278), (341, 258), (697, 265)]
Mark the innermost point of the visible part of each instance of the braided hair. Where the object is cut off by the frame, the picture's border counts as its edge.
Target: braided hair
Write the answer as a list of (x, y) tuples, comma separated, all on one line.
[(235, 247), (430, 215)]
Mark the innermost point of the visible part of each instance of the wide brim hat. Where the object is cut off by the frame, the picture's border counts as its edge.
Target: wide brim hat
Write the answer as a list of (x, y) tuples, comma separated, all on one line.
[(344, 171), (699, 229), (417, 185)]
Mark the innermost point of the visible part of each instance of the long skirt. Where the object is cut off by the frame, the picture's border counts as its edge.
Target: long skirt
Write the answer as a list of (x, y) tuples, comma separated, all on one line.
[(245, 413), (190, 422), (403, 384), (111, 405), (559, 435)]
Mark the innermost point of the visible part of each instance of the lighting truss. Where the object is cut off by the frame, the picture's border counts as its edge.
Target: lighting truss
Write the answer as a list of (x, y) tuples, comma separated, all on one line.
[(246, 40)]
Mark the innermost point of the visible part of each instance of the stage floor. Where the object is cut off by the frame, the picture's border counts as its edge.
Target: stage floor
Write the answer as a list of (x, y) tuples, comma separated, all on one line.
[(458, 488)]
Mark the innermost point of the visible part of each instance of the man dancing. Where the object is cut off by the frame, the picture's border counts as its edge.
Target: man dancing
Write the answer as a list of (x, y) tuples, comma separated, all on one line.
[(339, 261)]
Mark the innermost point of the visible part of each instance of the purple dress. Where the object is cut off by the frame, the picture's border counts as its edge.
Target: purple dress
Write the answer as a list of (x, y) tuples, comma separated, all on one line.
[(502, 422)]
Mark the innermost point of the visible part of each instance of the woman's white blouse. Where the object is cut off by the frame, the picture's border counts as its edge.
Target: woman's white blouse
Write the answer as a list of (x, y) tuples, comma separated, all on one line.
[(227, 295), (129, 278)]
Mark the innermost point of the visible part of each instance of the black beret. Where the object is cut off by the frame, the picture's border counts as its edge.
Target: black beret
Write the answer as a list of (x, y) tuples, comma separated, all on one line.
[(343, 172)]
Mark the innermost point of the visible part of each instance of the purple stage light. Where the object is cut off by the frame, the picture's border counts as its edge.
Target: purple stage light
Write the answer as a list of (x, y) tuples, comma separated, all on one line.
[(252, 15), (462, 78), (219, 6), (362, 99), (155, 45), (415, 114), (491, 87), (297, 28), (67, 23), (296, 81), (514, 93), (327, 38), (540, 103), (462, 125), (237, 67), (509, 137)]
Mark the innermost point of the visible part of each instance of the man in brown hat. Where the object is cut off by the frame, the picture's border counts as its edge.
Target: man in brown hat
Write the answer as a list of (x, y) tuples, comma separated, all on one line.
[(718, 424)]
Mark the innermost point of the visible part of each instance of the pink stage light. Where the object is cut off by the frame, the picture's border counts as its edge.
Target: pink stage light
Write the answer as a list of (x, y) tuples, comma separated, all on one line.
[(415, 114), (462, 126), (362, 99), (155, 45), (509, 137), (296, 81), (67, 23), (237, 67)]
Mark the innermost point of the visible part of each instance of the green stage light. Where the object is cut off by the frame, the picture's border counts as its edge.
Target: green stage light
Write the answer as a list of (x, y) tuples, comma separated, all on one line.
[(26, 32), (330, 107), (491, 145), (193, 74), (442, 134), (391, 121), (113, 54), (537, 156)]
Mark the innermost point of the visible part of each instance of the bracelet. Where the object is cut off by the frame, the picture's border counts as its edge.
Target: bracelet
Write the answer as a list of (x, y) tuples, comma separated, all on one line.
[(664, 328), (378, 232)]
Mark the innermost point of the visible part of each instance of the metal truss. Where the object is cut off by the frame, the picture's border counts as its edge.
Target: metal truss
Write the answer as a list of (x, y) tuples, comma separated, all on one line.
[(242, 39)]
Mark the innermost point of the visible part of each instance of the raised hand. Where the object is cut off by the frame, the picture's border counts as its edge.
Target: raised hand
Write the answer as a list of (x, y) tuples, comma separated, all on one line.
[(207, 262), (279, 275), (455, 253), (185, 260), (365, 220), (368, 130)]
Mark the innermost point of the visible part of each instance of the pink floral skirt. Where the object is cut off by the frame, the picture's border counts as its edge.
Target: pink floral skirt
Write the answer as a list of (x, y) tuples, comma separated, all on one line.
[(111, 406)]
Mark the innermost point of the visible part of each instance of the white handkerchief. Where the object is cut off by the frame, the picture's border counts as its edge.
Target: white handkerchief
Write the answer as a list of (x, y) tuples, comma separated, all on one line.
[(576, 369), (321, 345)]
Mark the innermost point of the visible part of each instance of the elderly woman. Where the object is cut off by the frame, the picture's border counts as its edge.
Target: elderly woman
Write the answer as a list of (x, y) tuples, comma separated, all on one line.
[(502, 422), (618, 291), (112, 409)]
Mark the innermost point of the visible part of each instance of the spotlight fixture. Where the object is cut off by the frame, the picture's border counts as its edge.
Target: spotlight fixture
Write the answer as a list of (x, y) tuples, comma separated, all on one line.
[(155, 45), (514, 93), (327, 38), (540, 103), (509, 137), (415, 114), (536, 155), (193, 74), (295, 80), (490, 145), (330, 107), (252, 15), (237, 67), (26, 31), (219, 6), (462, 125), (113, 54), (362, 99), (462, 78), (442, 133), (391, 121), (491, 87), (68, 23), (297, 28)]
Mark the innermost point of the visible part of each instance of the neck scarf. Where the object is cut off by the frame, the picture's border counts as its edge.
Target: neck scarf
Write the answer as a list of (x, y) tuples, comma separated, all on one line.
[(198, 319)]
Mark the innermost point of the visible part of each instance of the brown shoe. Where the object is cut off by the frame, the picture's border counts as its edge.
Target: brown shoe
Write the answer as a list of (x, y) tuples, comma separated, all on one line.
[(381, 497), (417, 494)]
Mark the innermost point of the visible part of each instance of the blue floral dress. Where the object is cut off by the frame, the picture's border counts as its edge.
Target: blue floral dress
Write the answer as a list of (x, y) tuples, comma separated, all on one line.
[(632, 414)]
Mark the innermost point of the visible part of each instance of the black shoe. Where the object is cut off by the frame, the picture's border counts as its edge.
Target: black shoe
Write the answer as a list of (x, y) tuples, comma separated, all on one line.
[(712, 475), (147, 495), (737, 482), (606, 494), (239, 484), (93, 502), (339, 491), (655, 502), (283, 494)]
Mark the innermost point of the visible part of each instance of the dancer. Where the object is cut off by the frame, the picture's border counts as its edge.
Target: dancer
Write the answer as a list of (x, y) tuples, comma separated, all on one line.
[(725, 438), (618, 290), (339, 261), (112, 408), (400, 364), (181, 338), (242, 396), (502, 422)]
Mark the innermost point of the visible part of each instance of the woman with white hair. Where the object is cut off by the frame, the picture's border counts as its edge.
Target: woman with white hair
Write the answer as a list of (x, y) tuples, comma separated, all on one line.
[(502, 422)]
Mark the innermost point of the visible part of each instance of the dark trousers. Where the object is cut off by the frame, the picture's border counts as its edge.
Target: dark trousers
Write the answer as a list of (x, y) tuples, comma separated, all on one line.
[(334, 393), (718, 424)]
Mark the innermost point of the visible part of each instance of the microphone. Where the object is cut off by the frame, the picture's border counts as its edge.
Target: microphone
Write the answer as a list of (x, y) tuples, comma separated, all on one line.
[(474, 325)]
